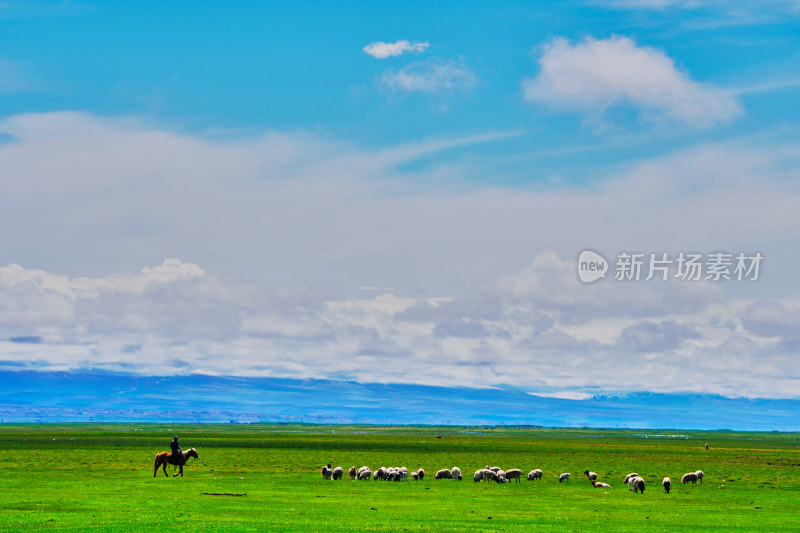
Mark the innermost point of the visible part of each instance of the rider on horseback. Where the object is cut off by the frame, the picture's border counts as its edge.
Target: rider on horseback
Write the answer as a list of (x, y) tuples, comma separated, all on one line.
[(177, 454)]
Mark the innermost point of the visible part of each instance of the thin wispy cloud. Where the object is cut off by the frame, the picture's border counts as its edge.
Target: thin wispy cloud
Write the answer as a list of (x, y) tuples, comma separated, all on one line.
[(430, 76), (381, 50), (595, 75)]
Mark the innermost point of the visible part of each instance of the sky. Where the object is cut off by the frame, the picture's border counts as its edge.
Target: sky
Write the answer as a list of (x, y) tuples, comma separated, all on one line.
[(398, 192)]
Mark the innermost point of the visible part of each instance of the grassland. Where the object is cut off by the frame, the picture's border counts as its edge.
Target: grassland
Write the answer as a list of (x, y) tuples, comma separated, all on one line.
[(265, 477)]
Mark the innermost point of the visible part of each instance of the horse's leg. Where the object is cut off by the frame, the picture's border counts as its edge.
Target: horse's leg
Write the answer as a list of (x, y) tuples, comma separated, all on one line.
[(164, 467), (181, 471)]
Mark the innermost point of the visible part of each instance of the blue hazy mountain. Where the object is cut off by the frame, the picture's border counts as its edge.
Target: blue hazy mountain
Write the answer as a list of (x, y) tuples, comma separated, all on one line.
[(29, 396)]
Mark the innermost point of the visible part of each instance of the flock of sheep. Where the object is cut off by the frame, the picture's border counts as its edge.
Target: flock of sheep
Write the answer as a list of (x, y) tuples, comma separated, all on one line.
[(490, 474)]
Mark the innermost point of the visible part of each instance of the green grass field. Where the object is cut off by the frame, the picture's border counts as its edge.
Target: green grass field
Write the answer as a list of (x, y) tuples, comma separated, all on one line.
[(266, 477)]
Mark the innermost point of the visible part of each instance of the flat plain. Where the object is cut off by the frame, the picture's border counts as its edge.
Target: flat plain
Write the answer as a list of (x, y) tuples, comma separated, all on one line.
[(99, 477)]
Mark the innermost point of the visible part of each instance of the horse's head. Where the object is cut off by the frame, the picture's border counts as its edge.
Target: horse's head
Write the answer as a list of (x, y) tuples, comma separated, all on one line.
[(191, 452)]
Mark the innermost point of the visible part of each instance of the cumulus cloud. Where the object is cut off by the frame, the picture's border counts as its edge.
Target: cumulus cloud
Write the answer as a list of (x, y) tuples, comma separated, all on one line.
[(381, 50), (597, 74), (430, 76)]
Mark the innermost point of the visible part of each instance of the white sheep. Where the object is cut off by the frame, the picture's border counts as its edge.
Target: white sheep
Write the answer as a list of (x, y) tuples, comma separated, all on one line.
[(456, 472), (362, 469), (443, 474), (414, 476), (600, 485), (421, 474), (691, 477), (494, 469), (666, 483), (592, 476), (338, 473), (479, 475), (699, 476), (563, 477), (364, 475), (514, 473), (535, 474), (636, 484)]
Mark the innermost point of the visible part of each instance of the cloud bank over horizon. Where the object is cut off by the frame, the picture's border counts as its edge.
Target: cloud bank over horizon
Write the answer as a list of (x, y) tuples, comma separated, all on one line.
[(273, 283)]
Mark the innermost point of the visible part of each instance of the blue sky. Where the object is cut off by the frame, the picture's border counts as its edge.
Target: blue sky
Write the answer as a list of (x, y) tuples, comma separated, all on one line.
[(397, 192)]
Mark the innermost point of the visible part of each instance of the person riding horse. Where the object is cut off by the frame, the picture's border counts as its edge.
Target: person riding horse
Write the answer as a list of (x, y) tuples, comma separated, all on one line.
[(177, 454)]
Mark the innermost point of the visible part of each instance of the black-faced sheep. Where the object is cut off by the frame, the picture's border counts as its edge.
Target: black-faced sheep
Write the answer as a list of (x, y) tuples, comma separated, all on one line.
[(443, 474), (691, 477), (514, 473), (456, 472), (636, 484), (421, 474), (414, 476), (563, 477), (666, 483), (338, 473), (364, 475), (326, 472), (535, 474), (592, 476)]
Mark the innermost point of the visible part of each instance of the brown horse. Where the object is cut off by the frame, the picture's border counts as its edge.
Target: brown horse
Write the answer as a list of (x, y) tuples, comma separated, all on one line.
[(165, 458)]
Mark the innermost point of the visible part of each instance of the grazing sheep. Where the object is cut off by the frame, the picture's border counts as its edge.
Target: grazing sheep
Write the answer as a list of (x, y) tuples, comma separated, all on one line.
[(478, 475), (326, 472), (380, 474), (414, 476), (636, 484), (563, 477), (362, 469), (352, 473), (443, 474), (597, 485), (338, 473), (514, 473), (491, 475), (699, 476), (535, 474), (456, 471), (666, 482), (592, 476), (364, 475), (691, 477), (502, 475), (421, 474), (494, 469)]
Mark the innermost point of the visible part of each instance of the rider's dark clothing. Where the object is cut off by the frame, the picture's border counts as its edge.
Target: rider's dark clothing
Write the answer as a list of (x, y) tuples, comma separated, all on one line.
[(176, 451)]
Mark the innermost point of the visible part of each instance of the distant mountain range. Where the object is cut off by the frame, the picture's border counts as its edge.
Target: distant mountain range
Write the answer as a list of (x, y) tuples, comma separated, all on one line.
[(28, 396)]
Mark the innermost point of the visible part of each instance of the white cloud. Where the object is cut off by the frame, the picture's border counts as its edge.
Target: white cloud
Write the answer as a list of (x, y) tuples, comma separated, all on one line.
[(277, 233), (595, 75), (381, 50), (430, 76)]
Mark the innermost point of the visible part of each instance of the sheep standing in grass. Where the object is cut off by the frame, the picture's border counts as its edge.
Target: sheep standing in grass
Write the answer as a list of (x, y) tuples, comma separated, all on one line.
[(380, 474), (535, 474), (597, 485), (691, 477), (636, 484), (421, 474), (456, 472), (592, 476), (364, 475), (414, 476), (514, 473), (563, 477), (338, 473), (353, 473), (699, 474), (479, 475), (443, 474), (326, 472), (667, 483)]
